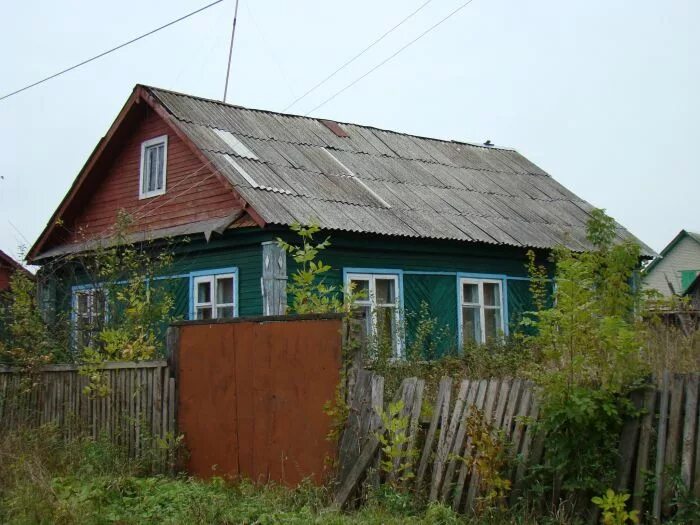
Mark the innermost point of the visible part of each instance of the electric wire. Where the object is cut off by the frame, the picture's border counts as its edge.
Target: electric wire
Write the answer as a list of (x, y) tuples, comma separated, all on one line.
[(390, 57), (358, 55), (112, 50)]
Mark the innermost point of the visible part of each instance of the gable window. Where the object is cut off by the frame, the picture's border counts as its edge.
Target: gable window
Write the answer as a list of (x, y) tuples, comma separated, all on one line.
[(214, 296), (378, 306), (89, 315), (154, 161), (481, 309)]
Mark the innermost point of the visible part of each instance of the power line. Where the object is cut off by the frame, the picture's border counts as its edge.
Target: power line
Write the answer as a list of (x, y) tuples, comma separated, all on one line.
[(76, 66), (230, 51), (358, 55), (452, 13)]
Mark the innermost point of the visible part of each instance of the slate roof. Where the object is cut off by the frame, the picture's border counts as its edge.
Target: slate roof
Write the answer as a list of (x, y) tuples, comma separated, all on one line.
[(291, 168)]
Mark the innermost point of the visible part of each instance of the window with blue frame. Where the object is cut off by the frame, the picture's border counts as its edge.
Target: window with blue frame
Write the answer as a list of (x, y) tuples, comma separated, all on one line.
[(378, 306), (213, 295), (481, 309)]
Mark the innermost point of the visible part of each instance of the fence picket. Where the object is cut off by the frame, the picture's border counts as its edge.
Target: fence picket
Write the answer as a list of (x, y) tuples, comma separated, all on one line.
[(443, 393)]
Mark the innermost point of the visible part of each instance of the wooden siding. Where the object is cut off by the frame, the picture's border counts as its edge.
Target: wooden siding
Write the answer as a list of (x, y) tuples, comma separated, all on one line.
[(684, 256), (239, 248), (438, 262), (5, 274), (441, 261), (193, 192)]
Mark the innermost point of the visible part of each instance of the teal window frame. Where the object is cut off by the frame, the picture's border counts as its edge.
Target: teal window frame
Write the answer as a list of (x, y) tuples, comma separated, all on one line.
[(399, 348), (482, 277), (232, 270)]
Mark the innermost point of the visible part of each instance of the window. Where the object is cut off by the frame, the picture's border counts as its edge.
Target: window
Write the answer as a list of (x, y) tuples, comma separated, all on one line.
[(378, 306), (154, 160), (481, 309), (214, 296), (89, 315)]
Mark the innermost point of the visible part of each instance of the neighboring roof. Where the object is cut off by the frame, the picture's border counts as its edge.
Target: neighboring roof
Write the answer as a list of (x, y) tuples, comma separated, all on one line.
[(347, 177), (6, 260), (671, 245)]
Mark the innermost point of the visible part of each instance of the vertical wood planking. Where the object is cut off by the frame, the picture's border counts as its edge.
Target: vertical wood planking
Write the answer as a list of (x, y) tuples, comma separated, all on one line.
[(465, 468), (643, 448), (661, 447), (443, 393), (56, 395), (689, 430), (447, 440)]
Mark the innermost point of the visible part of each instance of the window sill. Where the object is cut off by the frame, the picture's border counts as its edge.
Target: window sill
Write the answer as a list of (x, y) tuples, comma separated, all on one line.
[(143, 196)]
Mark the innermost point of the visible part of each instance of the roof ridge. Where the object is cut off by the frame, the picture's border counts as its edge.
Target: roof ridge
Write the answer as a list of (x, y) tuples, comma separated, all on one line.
[(295, 115)]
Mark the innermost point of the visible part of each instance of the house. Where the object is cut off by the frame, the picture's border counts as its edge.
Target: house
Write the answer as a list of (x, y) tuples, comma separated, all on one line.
[(8, 266), (412, 220), (676, 267)]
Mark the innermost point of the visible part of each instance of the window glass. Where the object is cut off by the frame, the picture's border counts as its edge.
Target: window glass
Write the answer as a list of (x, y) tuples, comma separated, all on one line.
[(361, 288), (204, 292), (471, 324), (224, 290), (470, 293), (385, 291), (492, 318), (204, 312), (492, 294), (224, 312)]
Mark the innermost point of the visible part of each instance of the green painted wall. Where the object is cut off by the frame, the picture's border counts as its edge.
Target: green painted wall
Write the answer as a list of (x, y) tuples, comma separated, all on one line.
[(240, 249), (441, 257), (437, 264)]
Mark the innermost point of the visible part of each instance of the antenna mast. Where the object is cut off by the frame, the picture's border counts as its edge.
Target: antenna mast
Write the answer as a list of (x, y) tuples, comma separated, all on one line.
[(230, 50)]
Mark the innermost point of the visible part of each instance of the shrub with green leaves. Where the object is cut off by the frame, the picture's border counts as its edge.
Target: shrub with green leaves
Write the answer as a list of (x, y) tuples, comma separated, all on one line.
[(24, 337), (587, 350), (308, 290)]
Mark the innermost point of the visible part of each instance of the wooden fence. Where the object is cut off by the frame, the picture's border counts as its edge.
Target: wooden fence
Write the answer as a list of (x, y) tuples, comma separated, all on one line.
[(138, 411), (506, 404), (668, 424)]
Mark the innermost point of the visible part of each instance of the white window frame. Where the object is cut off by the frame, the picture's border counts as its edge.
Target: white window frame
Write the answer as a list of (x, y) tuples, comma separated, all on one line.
[(156, 141), (92, 314), (482, 307), (372, 303), (212, 280)]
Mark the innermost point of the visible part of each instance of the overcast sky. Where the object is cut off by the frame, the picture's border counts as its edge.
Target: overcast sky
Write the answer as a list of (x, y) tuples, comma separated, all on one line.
[(602, 94)]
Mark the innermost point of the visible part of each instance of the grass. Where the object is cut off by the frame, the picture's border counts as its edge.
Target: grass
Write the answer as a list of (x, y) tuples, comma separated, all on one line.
[(46, 479)]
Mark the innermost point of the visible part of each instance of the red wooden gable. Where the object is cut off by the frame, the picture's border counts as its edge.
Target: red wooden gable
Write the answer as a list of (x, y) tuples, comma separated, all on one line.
[(109, 182)]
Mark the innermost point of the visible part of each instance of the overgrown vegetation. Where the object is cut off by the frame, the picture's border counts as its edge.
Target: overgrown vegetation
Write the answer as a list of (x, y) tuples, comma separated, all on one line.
[(45, 479), (119, 314), (25, 341), (589, 341), (308, 290)]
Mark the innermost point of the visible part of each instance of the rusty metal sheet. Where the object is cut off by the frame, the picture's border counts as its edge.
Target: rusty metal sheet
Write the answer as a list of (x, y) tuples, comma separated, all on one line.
[(251, 396)]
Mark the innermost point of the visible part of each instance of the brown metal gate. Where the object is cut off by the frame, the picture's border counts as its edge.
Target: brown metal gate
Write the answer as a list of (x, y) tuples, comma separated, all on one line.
[(251, 395)]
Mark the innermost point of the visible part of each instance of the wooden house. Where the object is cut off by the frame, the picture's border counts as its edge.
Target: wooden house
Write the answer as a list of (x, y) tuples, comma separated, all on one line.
[(8, 266), (411, 219), (676, 267)]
